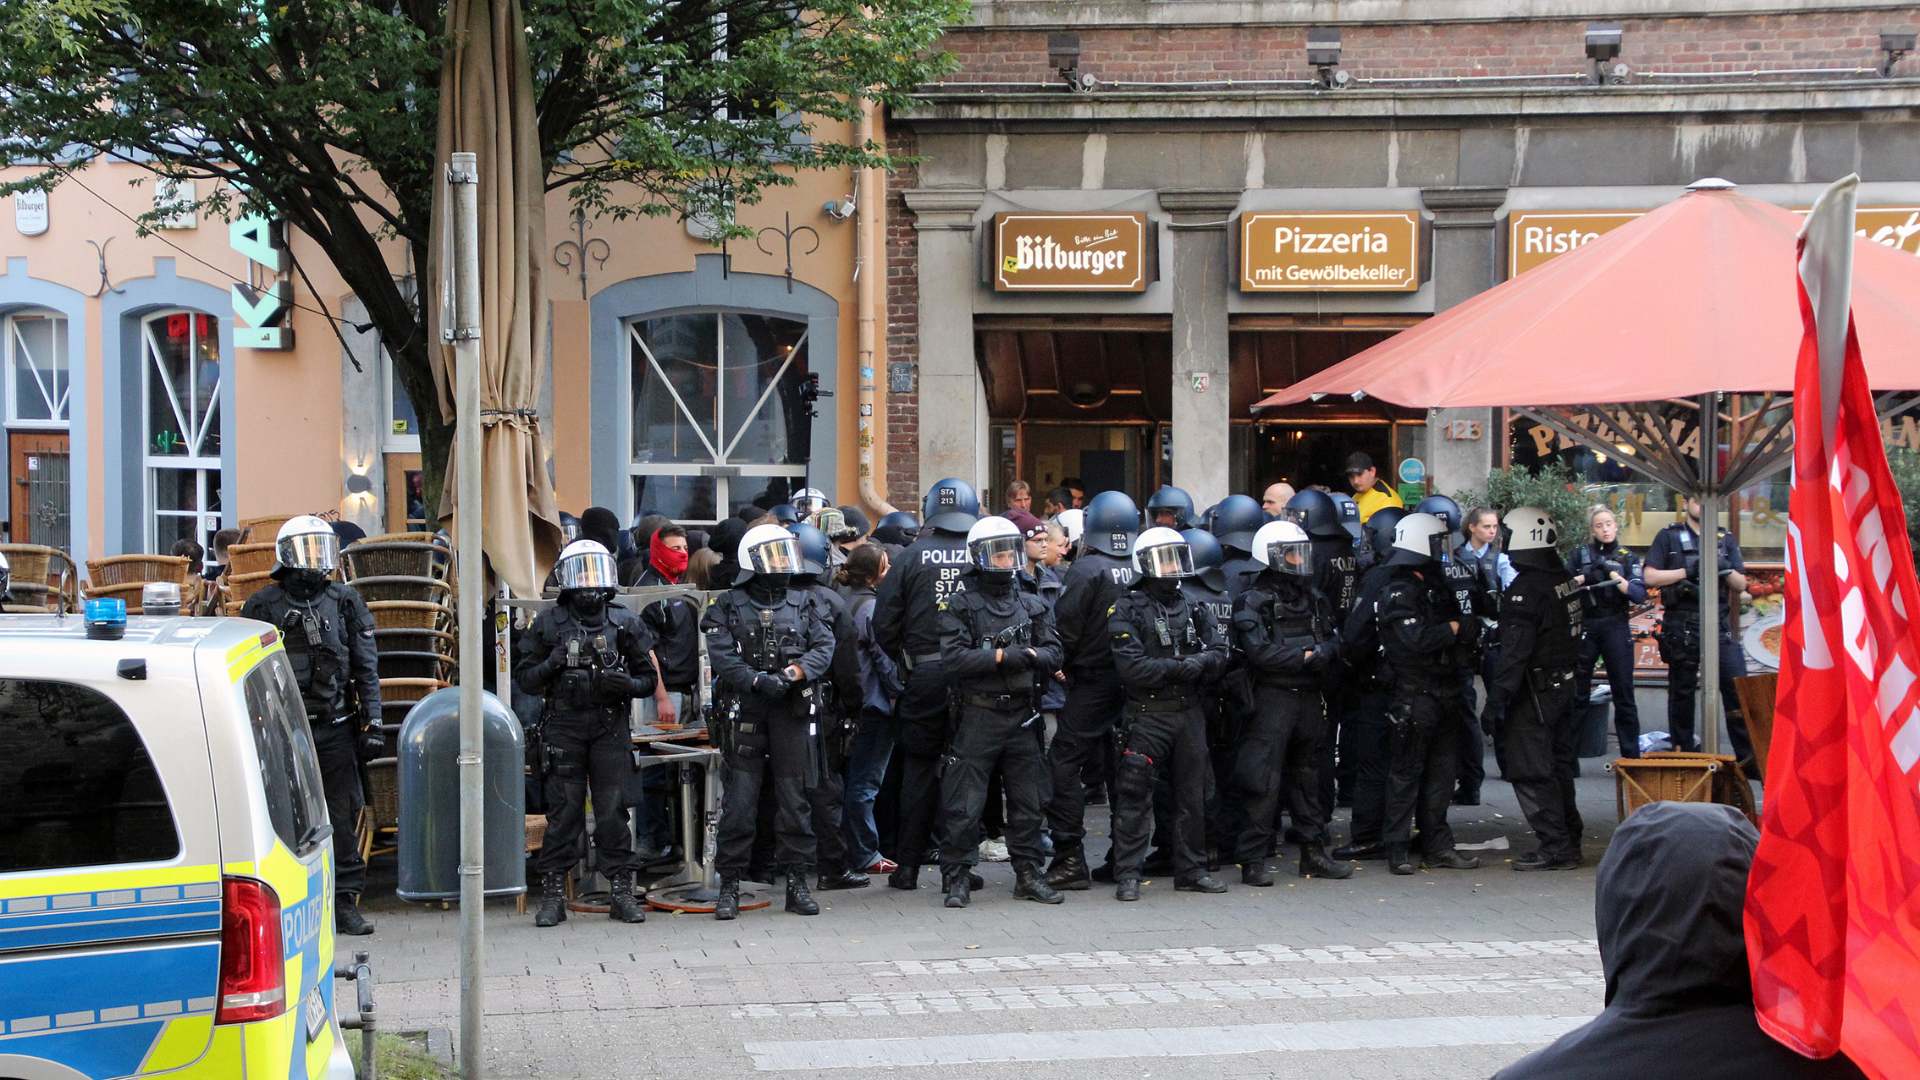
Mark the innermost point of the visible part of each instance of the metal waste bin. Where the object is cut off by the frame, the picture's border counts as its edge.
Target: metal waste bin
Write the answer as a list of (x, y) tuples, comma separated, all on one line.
[(430, 799), (1595, 718)]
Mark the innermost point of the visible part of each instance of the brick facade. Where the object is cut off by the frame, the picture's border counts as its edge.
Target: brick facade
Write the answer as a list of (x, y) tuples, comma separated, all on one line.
[(902, 431)]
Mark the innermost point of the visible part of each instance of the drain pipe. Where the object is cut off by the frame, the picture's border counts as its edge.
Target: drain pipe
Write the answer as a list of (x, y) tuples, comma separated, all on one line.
[(868, 271)]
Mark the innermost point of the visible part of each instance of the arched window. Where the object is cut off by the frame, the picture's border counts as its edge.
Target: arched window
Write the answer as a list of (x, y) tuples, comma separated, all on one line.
[(180, 361), (722, 409)]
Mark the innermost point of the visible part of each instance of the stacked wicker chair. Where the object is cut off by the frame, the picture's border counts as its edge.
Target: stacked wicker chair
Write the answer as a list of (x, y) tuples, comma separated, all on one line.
[(122, 577), (39, 574)]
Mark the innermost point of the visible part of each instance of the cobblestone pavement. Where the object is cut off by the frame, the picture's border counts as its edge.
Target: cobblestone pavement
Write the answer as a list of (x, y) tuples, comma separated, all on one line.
[(1443, 974)]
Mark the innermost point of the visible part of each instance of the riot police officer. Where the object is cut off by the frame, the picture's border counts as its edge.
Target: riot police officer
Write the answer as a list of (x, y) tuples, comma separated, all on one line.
[(769, 647), (895, 531), (1363, 740), (809, 501), (1673, 567), (1478, 604), (328, 633), (589, 659), (1610, 584), (1235, 519), (1533, 684), (996, 642), (1169, 507), (906, 625), (1164, 649), (1337, 579), (1422, 632), (1284, 628), (1227, 701), (837, 707), (1083, 742)]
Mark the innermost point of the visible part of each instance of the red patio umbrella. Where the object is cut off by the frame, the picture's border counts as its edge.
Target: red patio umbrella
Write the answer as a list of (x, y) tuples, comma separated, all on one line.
[(1676, 331)]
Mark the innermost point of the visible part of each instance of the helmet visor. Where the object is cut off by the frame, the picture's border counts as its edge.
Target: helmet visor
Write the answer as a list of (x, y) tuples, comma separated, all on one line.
[(776, 556), (998, 552), (309, 551), (588, 570), (808, 505), (1167, 561), (1441, 552), (1291, 557)]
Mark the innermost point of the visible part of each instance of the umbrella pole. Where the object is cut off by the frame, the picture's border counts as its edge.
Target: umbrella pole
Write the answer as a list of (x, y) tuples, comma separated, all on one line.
[(1710, 574), (463, 177)]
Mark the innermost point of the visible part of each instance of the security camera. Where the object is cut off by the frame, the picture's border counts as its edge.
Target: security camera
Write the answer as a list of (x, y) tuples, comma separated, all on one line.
[(840, 209)]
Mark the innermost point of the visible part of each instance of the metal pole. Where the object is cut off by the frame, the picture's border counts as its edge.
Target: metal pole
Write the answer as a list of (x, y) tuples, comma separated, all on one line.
[(463, 177), (1709, 725)]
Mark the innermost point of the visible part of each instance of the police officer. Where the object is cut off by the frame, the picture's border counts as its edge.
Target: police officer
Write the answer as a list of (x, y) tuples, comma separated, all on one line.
[(895, 531), (589, 660), (1349, 512), (1235, 519), (1284, 628), (1169, 507), (1165, 649), (1363, 740), (1421, 634), (1673, 567), (1534, 686), (1610, 584), (1337, 578), (809, 501), (1477, 604), (996, 641), (328, 633), (1085, 737), (906, 625), (768, 647), (837, 708), (1225, 701)]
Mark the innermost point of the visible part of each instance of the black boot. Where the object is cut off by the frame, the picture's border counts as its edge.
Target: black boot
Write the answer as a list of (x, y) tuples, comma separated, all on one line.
[(1399, 859), (1159, 863), (799, 900), (1375, 850), (622, 905), (1314, 862), (842, 879), (1127, 889), (1030, 884), (974, 880), (348, 920), (1466, 795), (726, 906), (1451, 860), (1256, 873), (959, 888), (1205, 883), (1069, 872), (553, 899), (907, 877)]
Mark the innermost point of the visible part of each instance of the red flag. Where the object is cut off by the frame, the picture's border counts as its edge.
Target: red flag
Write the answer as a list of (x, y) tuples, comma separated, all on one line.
[(1834, 894)]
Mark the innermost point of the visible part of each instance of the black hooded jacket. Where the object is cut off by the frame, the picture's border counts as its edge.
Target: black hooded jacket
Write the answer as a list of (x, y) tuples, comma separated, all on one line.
[(1679, 1004)]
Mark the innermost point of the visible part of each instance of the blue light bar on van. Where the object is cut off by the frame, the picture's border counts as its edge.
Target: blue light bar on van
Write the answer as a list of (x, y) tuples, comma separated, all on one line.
[(106, 619)]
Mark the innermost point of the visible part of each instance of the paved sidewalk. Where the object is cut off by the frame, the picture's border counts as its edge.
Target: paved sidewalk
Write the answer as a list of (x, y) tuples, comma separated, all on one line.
[(1442, 974)]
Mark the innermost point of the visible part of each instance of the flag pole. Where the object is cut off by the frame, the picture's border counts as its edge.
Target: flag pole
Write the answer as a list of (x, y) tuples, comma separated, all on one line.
[(1709, 724)]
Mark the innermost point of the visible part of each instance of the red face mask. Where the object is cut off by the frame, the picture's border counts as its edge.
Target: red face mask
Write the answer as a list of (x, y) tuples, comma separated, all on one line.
[(670, 562)]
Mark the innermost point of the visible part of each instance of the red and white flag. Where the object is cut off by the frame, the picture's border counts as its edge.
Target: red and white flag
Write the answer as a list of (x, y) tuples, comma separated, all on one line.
[(1833, 902)]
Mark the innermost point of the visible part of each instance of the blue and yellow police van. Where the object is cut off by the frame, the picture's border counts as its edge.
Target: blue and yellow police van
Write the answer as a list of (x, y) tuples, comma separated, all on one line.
[(166, 893)]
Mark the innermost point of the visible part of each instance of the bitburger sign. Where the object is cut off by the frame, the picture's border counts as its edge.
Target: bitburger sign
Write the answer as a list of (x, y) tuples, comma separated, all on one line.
[(1330, 252), (1036, 252)]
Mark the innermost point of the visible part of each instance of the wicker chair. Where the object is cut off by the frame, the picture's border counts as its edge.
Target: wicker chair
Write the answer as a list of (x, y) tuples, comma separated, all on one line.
[(397, 558), (410, 615), (397, 587), (29, 564), (408, 691), (240, 587), (263, 529), (433, 641), (416, 665), (250, 559), (137, 570), (380, 825)]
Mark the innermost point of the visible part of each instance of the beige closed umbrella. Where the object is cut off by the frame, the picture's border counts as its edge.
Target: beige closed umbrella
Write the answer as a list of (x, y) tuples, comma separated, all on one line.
[(487, 107)]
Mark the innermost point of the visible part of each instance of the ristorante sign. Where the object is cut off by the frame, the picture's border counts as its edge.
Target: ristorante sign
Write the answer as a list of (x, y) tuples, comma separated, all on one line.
[(1330, 252), (1038, 252), (1535, 237)]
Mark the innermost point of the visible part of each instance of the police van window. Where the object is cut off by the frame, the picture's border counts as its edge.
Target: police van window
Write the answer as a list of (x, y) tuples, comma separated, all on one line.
[(289, 771), (77, 787)]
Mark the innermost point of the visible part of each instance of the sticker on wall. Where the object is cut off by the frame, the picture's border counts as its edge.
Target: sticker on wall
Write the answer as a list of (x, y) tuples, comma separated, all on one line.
[(1202, 380), (30, 212)]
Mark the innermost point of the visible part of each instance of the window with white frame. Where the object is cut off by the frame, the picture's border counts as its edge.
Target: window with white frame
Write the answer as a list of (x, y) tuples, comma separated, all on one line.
[(38, 381), (721, 414), (402, 435), (182, 372)]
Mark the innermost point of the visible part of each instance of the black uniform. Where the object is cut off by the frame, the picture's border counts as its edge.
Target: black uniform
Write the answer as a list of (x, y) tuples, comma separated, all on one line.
[(1226, 702), (589, 673), (1539, 644), (1363, 739), (754, 633), (1337, 579), (329, 639), (1284, 629), (1476, 585), (1085, 736), (907, 626), (1677, 547), (997, 715), (1422, 657), (1605, 633), (839, 719), (1165, 650)]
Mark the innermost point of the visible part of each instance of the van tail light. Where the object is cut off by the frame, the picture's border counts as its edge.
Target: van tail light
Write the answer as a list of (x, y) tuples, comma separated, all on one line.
[(253, 970)]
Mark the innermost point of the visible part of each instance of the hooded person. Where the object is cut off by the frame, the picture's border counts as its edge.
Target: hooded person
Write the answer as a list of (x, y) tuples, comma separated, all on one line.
[(725, 541), (1668, 902), (599, 524)]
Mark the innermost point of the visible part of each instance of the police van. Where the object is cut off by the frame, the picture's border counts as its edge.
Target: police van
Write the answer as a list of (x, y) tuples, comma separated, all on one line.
[(166, 868)]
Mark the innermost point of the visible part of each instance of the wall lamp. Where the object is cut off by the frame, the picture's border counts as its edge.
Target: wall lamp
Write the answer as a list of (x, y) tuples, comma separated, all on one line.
[(1603, 45), (1063, 56), (1323, 53), (1893, 46)]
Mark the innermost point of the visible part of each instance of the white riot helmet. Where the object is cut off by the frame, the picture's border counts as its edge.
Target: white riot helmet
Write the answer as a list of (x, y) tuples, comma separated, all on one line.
[(809, 501), (1161, 552), (768, 549), (6, 579), (1528, 528), (1419, 540), (306, 543), (586, 564), (1074, 522), (995, 545), (1284, 546)]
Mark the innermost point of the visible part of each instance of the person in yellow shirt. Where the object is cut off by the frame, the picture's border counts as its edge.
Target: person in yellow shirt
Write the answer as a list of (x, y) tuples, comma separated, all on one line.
[(1368, 492)]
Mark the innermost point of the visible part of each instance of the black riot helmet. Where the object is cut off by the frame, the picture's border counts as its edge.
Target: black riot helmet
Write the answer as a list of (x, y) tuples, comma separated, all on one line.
[(951, 506), (1112, 523), (1316, 512), (813, 545), (785, 513), (1443, 508), (1169, 500), (898, 527), (1235, 519), (1380, 528), (1349, 514)]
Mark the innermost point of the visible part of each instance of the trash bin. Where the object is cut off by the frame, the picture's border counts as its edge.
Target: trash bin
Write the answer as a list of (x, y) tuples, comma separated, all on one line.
[(430, 799), (1596, 716)]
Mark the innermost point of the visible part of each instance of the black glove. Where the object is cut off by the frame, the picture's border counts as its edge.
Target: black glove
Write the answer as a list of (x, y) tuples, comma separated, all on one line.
[(1324, 655), (1192, 669), (617, 683), (1608, 568), (1693, 569), (770, 686), (1015, 658), (371, 743)]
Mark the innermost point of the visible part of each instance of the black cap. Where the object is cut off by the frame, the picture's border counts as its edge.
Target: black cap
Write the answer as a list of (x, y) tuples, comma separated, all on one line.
[(1358, 462)]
